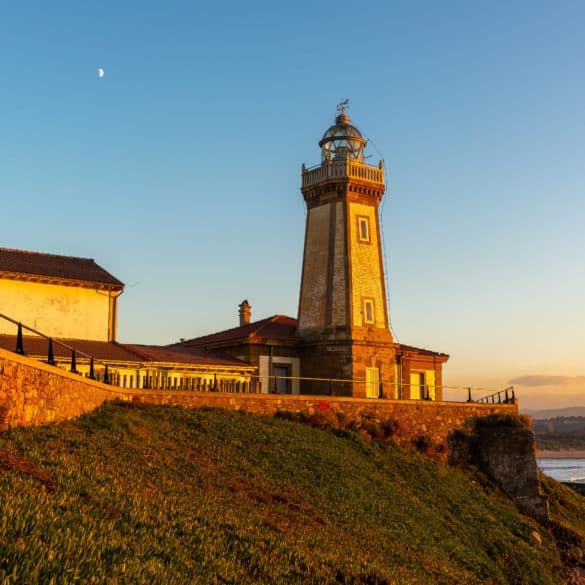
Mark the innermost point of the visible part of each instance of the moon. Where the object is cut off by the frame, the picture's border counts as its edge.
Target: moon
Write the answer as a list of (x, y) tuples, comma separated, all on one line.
[(100, 72)]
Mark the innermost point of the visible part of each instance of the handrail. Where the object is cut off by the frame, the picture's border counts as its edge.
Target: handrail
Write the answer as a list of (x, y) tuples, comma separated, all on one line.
[(51, 340), (255, 382), (508, 394)]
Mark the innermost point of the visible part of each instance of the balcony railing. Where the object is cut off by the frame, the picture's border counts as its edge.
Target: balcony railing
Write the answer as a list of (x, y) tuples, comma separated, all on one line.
[(343, 169)]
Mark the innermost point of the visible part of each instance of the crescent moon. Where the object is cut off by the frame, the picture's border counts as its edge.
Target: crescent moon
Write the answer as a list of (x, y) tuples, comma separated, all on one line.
[(100, 72)]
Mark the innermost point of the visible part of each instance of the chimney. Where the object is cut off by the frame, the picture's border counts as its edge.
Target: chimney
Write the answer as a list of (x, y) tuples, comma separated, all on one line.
[(245, 312)]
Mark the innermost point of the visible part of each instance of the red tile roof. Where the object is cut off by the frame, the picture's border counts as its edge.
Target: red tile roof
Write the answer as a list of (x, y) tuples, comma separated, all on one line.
[(277, 327), (411, 348), (154, 353), (53, 266), (118, 352)]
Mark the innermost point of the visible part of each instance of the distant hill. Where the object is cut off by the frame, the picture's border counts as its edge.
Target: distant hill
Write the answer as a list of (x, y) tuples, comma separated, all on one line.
[(560, 433), (556, 412), (560, 424), (161, 495)]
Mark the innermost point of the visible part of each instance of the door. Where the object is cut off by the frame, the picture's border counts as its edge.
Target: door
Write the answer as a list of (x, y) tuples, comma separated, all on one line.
[(281, 374), (417, 385), (372, 383)]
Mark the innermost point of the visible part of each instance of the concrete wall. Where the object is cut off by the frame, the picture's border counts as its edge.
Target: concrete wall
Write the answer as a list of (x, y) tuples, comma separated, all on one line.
[(34, 393), (56, 310)]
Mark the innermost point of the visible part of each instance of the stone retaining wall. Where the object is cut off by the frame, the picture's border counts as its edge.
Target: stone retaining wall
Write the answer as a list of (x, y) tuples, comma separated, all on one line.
[(34, 393)]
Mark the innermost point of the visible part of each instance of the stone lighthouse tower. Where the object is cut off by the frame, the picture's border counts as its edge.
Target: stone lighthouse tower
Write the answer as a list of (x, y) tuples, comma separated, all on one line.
[(343, 315)]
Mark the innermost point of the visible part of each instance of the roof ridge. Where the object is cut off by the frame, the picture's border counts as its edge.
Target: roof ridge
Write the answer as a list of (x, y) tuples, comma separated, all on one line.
[(69, 269), (225, 330), (272, 319), (45, 254)]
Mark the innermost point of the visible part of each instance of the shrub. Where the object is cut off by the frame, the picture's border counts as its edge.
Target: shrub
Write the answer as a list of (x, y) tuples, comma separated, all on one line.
[(422, 443), (501, 420)]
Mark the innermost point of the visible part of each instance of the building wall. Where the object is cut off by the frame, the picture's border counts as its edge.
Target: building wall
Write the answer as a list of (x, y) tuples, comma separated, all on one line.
[(368, 355), (326, 361), (34, 393), (431, 368), (366, 267), (264, 371), (313, 301), (339, 300), (56, 310)]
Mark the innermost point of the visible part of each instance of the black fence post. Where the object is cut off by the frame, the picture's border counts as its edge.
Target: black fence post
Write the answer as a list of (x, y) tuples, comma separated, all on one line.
[(106, 376), (73, 362), (19, 344), (469, 395), (50, 355), (91, 372)]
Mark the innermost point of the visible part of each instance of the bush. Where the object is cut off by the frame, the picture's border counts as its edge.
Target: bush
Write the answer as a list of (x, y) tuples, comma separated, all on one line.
[(501, 420), (422, 443)]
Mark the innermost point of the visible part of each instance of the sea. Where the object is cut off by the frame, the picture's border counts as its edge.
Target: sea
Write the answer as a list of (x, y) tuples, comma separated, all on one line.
[(572, 470)]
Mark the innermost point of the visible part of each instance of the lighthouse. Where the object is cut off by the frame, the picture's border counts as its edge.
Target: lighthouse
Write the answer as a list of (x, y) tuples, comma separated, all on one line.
[(343, 314)]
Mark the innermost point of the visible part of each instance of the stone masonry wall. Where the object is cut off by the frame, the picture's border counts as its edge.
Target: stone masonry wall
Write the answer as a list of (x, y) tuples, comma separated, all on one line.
[(34, 393)]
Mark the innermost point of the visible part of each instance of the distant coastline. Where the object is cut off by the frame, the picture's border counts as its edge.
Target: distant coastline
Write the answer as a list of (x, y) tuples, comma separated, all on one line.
[(560, 454)]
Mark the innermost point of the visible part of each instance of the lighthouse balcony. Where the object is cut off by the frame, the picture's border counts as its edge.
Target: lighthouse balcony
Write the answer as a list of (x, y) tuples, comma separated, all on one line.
[(348, 168)]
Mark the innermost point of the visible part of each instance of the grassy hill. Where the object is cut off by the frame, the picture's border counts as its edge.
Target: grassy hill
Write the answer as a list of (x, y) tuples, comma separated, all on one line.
[(154, 495)]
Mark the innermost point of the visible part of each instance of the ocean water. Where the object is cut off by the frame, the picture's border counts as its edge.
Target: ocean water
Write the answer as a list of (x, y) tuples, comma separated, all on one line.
[(564, 469)]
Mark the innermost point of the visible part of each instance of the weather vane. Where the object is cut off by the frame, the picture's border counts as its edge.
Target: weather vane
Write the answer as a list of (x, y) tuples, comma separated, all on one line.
[(342, 106)]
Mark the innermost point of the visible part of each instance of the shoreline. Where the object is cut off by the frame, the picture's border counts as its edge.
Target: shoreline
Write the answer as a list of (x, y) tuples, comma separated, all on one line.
[(560, 454)]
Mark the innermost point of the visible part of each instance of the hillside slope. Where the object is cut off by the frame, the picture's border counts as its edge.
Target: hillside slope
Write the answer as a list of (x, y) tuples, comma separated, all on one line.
[(164, 495)]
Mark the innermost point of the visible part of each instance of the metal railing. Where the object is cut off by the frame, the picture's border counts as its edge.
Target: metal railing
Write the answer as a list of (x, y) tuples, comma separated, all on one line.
[(140, 375), (93, 361), (506, 396)]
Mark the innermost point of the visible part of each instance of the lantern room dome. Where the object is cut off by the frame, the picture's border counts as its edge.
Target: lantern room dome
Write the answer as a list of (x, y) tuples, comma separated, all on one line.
[(342, 140)]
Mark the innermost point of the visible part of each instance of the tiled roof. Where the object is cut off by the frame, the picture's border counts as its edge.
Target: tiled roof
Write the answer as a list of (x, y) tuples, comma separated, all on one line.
[(53, 266), (279, 327), (154, 353), (401, 346), (118, 352)]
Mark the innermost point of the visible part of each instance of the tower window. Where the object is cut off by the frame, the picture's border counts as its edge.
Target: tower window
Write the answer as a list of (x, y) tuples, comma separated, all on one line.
[(368, 311), (363, 228)]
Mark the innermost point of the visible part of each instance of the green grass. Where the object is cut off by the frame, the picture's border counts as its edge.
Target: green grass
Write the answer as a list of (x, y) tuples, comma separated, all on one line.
[(154, 495)]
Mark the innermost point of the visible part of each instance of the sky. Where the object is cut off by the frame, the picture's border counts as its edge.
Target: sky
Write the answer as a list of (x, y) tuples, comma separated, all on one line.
[(179, 170)]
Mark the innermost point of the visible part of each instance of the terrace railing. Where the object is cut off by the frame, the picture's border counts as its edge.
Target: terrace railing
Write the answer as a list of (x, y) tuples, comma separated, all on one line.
[(506, 396), (94, 363), (143, 376)]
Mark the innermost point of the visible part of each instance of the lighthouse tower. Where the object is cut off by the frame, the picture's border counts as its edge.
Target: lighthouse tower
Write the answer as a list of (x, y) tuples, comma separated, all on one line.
[(343, 314)]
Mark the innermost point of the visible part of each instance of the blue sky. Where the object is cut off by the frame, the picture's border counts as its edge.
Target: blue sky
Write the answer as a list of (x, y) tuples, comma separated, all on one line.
[(179, 170)]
